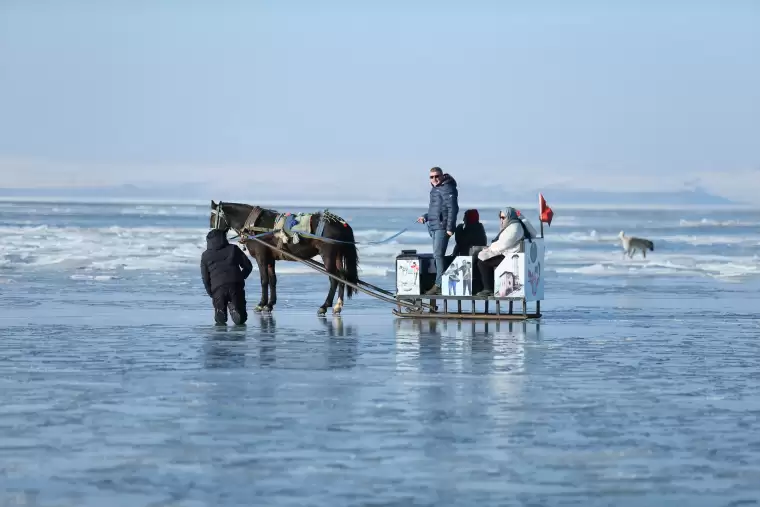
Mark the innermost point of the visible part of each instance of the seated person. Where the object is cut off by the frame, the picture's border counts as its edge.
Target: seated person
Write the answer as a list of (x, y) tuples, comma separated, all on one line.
[(469, 234), (514, 228)]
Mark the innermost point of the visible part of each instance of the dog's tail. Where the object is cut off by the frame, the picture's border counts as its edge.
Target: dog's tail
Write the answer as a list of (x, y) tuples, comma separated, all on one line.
[(649, 244)]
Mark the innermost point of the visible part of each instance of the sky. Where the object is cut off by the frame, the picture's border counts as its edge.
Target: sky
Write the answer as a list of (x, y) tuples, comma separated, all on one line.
[(370, 94)]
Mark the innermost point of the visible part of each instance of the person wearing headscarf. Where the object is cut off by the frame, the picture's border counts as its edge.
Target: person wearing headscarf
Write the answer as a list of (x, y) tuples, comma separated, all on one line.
[(513, 229)]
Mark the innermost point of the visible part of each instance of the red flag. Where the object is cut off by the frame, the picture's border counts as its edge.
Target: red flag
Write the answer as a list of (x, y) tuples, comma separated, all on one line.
[(546, 212)]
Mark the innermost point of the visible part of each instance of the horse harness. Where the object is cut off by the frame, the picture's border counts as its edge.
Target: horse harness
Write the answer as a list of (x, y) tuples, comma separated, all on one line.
[(278, 225)]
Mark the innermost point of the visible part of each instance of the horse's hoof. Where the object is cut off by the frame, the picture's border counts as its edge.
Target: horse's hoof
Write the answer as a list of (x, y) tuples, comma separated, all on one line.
[(258, 309), (268, 309), (337, 310), (322, 311)]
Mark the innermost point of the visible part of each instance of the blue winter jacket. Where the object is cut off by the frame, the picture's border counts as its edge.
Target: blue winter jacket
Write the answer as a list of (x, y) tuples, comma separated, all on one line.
[(444, 206)]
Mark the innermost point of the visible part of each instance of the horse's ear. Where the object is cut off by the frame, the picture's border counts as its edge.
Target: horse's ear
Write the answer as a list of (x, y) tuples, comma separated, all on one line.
[(213, 204)]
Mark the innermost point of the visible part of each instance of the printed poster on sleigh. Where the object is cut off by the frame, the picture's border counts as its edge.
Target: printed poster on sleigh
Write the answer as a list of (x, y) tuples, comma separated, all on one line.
[(457, 280), (534, 269), (520, 274), (408, 277), (410, 270)]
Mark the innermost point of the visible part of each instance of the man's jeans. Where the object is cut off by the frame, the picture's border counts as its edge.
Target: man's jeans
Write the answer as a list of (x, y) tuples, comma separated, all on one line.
[(440, 243)]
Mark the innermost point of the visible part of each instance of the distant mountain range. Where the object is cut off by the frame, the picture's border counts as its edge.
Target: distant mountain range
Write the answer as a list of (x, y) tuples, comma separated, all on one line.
[(131, 192), (694, 197), (469, 194)]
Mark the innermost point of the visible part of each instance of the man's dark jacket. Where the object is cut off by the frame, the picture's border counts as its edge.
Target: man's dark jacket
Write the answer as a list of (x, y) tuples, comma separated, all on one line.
[(222, 263), (444, 206)]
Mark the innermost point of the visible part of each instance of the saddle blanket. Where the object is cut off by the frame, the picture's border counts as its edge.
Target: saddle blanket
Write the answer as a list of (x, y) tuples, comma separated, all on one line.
[(290, 224), (300, 222)]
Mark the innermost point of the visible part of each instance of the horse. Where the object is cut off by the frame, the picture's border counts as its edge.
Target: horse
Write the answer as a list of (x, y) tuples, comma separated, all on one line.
[(340, 256)]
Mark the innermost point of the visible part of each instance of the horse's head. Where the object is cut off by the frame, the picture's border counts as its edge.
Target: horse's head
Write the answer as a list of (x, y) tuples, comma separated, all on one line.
[(216, 219), (228, 215)]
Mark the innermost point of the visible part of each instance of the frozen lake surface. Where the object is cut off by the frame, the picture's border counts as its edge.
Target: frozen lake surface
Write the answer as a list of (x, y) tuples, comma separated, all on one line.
[(640, 386)]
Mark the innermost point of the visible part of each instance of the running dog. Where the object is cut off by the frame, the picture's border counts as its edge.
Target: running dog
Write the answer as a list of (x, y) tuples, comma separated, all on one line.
[(631, 244)]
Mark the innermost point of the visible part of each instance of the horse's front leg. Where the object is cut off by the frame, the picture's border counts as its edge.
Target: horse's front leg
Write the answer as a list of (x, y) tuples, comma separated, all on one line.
[(264, 277), (272, 285)]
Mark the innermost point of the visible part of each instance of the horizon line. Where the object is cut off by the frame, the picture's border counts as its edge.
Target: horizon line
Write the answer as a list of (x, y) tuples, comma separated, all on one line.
[(365, 205)]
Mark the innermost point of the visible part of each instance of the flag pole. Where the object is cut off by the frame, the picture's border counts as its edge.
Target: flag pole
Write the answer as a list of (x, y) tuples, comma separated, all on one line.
[(540, 221), (539, 216)]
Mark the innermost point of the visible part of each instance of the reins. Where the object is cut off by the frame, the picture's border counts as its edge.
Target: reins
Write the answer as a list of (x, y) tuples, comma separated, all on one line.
[(241, 234)]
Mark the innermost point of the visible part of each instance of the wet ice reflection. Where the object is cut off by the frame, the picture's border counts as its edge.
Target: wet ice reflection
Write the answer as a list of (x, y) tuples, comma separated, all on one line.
[(294, 410), (477, 347)]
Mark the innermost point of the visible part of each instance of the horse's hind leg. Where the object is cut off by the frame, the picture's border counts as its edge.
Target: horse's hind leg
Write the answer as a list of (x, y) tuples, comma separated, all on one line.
[(341, 292), (330, 296), (331, 266), (329, 299), (339, 304)]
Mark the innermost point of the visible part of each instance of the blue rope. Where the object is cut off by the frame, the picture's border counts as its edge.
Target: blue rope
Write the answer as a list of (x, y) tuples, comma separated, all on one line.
[(246, 236), (330, 240)]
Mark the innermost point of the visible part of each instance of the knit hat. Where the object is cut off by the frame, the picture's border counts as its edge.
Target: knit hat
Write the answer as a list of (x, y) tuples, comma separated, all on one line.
[(471, 216)]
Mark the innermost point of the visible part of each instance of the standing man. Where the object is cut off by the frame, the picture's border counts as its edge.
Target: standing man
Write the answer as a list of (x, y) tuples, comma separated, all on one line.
[(441, 219)]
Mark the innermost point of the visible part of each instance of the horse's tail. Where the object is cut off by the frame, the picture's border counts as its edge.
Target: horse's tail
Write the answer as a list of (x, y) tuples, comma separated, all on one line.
[(350, 264)]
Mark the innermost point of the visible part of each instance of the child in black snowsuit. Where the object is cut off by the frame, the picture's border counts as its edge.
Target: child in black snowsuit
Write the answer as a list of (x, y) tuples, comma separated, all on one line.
[(224, 268)]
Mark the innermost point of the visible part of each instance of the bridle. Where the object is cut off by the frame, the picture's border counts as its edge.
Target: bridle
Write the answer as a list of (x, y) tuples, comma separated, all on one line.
[(219, 212), (221, 216)]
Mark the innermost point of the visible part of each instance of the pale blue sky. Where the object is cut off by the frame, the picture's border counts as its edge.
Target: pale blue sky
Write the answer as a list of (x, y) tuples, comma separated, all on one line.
[(599, 94)]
